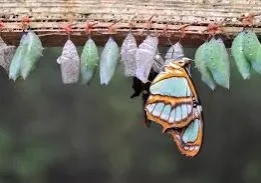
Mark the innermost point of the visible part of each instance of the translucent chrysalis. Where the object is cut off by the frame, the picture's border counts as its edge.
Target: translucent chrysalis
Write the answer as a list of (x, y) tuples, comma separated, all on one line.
[(6, 55), (70, 63), (128, 52), (145, 57), (109, 60), (174, 52)]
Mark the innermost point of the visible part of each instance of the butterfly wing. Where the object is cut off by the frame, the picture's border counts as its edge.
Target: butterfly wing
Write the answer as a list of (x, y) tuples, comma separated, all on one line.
[(172, 96), (189, 139)]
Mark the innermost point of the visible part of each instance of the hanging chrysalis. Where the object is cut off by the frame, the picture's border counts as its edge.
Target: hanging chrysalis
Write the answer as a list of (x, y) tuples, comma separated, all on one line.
[(237, 50), (145, 57), (200, 63), (252, 50), (6, 54), (128, 52), (89, 61), (109, 61), (218, 62), (70, 63), (158, 63), (15, 66), (31, 53), (174, 52)]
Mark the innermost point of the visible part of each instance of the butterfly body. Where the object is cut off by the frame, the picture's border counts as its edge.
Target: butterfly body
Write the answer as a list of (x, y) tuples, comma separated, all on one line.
[(174, 104)]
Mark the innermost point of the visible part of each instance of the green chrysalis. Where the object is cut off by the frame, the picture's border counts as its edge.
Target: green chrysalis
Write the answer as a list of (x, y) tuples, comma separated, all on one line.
[(237, 50), (218, 62), (89, 61), (200, 63), (252, 50)]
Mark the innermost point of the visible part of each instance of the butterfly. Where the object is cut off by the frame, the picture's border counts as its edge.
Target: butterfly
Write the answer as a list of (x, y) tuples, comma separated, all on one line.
[(174, 104)]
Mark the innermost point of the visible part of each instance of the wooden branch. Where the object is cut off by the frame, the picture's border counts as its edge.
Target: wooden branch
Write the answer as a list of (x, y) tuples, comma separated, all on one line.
[(48, 15)]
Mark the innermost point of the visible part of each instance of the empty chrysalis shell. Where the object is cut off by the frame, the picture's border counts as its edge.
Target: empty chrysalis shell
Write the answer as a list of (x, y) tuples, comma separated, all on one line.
[(218, 62), (200, 63), (6, 55), (252, 50), (158, 63), (145, 57), (31, 53), (237, 50), (109, 60), (89, 61), (128, 52), (70, 63), (174, 52), (15, 66)]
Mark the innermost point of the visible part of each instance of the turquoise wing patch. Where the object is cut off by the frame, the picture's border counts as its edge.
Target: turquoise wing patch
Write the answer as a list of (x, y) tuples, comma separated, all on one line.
[(175, 87), (191, 132)]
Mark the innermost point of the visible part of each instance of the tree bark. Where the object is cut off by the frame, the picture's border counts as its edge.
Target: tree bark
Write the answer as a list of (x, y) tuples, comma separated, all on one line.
[(48, 15)]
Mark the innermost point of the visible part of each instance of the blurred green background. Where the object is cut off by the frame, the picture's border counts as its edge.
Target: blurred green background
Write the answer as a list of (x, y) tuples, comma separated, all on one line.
[(52, 133)]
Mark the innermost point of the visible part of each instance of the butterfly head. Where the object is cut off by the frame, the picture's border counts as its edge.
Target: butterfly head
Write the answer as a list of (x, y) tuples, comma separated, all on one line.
[(182, 62)]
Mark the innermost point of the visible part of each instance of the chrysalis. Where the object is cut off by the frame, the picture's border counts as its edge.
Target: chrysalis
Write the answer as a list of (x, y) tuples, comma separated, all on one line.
[(31, 53), (241, 61), (6, 55), (200, 63), (109, 61), (145, 57), (15, 66), (128, 51), (158, 63), (89, 61), (70, 63), (252, 50), (226, 62), (174, 52), (218, 62)]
